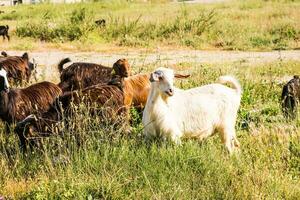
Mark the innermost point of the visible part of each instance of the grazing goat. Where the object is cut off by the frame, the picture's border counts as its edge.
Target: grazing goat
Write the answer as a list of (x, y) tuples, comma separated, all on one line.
[(16, 104), (290, 97), (4, 32), (197, 112), (107, 98), (4, 54), (81, 75), (19, 68), (101, 22)]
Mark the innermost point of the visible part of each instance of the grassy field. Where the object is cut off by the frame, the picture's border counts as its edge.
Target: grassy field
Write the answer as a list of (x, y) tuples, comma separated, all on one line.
[(92, 161), (111, 165), (234, 25)]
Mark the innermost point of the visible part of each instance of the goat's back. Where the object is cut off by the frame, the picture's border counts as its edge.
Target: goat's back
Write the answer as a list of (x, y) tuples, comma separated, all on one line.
[(208, 97), (81, 75), (35, 98), (101, 95)]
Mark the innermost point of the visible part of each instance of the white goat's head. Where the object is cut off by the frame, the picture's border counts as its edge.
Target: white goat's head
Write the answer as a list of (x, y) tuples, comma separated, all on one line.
[(163, 78), (4, 86)]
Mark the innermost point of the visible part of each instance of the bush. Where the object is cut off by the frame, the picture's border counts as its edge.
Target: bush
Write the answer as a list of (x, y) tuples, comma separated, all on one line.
[(76, 27)]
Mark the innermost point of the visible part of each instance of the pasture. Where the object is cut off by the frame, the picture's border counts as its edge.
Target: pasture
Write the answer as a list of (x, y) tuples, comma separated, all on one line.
[(233, 25), (92, 161)]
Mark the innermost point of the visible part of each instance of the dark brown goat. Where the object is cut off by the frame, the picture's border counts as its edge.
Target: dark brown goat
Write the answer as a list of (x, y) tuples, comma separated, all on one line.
[(4, 32), (80, 75), (104, 100), (16, 104), (290, 97), (18, 68), (4, 54), (101, 22)]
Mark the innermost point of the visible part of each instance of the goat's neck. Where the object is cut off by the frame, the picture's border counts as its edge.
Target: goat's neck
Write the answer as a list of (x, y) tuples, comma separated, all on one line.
[(3, 102), (155, 95)]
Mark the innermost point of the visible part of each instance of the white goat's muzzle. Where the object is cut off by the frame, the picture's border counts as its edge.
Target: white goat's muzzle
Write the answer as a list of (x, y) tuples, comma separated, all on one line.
[(170, 92)]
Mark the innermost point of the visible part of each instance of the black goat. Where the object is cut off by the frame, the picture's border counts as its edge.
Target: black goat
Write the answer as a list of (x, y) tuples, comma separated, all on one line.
[(4, 32), (4, 54), (101, 22), (290, 97)]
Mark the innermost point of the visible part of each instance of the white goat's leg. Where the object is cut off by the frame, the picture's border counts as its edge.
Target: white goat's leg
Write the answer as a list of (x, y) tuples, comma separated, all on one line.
[(236, 142), (175, 137), (148, 132), (228, 137)]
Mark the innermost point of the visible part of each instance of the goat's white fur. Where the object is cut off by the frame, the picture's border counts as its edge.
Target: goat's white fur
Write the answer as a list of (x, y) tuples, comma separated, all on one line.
[(197, 112), (3, 73)]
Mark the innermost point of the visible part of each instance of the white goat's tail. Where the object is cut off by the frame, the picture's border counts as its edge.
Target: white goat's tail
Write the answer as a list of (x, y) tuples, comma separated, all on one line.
[(231, 80)]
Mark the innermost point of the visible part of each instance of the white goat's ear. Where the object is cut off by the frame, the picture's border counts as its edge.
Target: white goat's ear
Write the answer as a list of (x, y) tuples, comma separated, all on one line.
[(155, 76)]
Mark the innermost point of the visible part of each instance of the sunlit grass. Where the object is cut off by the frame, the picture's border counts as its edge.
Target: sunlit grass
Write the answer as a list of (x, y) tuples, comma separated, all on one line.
[(233, 25), (108, 164)]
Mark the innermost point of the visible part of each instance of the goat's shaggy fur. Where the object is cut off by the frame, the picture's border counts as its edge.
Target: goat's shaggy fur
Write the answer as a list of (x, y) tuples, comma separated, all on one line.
[(290, 97), (104, 100), (19, 68), (197, 112), (16, 104), (136, 90), (80, 75)]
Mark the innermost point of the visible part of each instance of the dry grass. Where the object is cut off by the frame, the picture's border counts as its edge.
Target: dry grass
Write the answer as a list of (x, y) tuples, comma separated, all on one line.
[(110, 165), (236, 25)]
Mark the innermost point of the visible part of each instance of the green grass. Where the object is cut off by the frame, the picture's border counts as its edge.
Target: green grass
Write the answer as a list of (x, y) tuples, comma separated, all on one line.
[(111, 165), (236, 25)]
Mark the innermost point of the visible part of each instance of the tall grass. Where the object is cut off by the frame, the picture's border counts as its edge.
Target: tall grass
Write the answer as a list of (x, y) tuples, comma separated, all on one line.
[(109, 164), (242, 25), (77, 26)]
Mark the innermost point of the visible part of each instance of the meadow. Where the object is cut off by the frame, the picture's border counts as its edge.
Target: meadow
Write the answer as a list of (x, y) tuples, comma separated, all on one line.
[(233, 25), (109, 164), (92, 161)]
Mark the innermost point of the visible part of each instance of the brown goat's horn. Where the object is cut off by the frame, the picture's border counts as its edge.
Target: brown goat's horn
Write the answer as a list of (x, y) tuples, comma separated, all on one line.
[(28, 119), (181, 76)]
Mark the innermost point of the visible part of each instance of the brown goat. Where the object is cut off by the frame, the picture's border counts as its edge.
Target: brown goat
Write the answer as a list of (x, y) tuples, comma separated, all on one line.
[(104, 100), (18, 68), (290, 97), (16, 104), (81, 75), (136, 89)]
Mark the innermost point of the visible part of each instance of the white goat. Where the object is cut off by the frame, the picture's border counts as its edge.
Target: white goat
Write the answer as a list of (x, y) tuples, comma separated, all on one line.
[(197, 112)]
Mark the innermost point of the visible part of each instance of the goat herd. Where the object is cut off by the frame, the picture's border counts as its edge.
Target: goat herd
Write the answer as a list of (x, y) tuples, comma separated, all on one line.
[(167, 111)]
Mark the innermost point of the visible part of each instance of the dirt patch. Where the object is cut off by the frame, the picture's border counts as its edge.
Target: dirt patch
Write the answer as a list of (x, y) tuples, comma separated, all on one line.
[(204, 1)]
